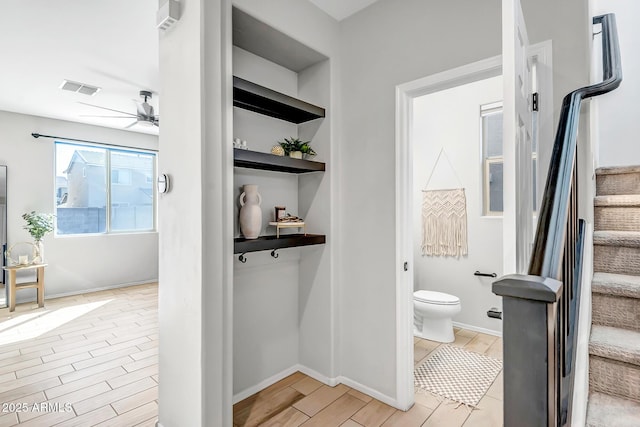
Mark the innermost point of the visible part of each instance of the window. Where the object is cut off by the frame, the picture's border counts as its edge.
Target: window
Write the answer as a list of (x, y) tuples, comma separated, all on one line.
[(103, 190), (121, 176), (491, 134)]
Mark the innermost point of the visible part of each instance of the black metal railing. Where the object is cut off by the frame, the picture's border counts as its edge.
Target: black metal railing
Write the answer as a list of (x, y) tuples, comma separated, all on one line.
[(541, 309)]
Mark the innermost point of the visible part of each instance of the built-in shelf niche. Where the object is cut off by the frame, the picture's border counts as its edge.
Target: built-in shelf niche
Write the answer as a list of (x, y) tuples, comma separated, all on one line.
[(258, 38)]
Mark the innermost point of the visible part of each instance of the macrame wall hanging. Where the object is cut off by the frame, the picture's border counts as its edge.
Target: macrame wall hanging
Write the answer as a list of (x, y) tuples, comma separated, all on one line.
[(444, 218)]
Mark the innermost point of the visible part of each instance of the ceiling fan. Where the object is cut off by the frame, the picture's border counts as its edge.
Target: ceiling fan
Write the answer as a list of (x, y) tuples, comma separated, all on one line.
[(144, 114)]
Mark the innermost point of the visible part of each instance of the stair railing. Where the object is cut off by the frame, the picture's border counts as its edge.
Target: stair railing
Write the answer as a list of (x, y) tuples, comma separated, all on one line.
[(541, 309)]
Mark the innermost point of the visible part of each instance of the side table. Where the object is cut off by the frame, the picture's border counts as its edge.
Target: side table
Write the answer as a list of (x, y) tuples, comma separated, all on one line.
[(38, 284)]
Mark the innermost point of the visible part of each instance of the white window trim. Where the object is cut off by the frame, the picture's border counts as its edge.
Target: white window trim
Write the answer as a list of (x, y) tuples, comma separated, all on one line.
[(108, 150), (488, 110)]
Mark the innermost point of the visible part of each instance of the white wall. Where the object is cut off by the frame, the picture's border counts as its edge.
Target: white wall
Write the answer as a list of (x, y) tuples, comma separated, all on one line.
[(568, 25), (450, 119), (197, 221), (195, 225), (76, 263), (618, 125), (385, 45)]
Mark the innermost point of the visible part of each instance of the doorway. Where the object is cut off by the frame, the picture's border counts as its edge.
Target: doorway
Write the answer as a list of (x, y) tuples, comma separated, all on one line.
[(406, 188)]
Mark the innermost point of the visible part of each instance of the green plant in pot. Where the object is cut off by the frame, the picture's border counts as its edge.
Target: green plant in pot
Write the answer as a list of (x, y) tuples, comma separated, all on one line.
[(296, 148), (38, 225)]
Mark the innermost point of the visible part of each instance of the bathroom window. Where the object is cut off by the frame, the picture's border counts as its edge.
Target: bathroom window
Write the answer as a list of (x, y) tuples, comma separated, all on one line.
[(493, 161)]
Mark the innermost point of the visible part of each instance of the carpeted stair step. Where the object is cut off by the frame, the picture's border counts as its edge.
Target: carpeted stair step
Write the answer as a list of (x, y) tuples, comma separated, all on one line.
[(618, 180), (616, 300), (614, 362), (616, 252), (619, 212), (609, 411), (621, 285)]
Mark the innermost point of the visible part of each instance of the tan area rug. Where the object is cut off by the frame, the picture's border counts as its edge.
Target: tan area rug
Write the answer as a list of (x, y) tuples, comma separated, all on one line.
[(457, 374)]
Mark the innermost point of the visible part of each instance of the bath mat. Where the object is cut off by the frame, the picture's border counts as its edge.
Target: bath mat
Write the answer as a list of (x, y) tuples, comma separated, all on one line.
[(444, 222), (457, 374)]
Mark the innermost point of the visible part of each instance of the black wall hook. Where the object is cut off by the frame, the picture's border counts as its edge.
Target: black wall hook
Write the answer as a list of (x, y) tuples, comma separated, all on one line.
[(242, 258), (274, 254)]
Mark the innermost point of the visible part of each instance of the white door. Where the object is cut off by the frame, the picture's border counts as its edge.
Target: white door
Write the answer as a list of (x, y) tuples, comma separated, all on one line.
[(517, 147)]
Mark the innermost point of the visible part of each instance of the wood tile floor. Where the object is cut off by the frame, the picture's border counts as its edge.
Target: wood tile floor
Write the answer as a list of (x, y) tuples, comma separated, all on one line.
[(84, 360), (91, 360), (299, 400)]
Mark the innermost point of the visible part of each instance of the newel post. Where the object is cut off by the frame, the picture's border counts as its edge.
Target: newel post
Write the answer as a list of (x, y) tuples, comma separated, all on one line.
[(530, 316)]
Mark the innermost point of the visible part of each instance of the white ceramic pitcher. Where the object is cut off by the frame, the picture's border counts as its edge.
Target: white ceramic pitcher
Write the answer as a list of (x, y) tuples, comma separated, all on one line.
[(250, 212)]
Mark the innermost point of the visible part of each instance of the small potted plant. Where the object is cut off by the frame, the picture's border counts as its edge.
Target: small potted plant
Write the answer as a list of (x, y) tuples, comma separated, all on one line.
[(295, 148), (38, 225)]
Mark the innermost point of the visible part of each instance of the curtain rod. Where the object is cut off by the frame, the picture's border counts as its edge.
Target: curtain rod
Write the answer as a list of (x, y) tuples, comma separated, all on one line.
[(38, 135)]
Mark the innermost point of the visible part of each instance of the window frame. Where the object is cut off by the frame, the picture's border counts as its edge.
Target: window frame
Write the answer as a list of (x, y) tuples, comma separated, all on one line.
[(486, 110), (109, 149)]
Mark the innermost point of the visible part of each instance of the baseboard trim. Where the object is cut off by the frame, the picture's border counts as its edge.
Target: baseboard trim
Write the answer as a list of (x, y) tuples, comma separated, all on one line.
[(264, 384), (87, 291), (371, 392), (331, 382), (478, 329)]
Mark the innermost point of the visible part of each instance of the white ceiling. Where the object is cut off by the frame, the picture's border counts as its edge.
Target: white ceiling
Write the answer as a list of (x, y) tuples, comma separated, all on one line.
[(110, 44), (341, 9)]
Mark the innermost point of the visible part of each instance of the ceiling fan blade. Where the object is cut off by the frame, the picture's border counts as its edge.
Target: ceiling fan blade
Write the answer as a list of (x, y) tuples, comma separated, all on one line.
[(109, 109), (106, 117), (131, 125)]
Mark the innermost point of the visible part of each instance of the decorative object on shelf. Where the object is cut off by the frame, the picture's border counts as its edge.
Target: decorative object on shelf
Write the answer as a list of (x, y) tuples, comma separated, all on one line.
[(288, 218), (240, 143), (283, 224), (279, 212), (295, 147), (288, 221), (23, 253), (38, 225), (277, 150), (250, 211)]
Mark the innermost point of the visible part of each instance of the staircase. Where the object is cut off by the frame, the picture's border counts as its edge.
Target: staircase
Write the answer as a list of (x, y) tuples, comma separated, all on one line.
[(614, 347)]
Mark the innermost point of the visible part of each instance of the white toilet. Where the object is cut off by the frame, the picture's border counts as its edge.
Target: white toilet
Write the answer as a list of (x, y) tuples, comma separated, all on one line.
[(432, 313)]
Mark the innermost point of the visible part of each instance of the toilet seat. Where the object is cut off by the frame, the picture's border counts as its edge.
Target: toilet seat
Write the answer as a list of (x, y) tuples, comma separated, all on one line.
[(438, 298)]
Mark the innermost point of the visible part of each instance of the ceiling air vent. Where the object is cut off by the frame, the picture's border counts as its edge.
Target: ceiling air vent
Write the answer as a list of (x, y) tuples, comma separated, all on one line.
[(79, 87)]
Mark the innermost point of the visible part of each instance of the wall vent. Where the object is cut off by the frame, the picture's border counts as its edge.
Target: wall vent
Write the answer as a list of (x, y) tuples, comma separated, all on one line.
[(82, 88)]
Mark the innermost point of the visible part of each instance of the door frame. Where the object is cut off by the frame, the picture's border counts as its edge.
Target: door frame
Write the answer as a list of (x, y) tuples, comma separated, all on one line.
[(405, 94)]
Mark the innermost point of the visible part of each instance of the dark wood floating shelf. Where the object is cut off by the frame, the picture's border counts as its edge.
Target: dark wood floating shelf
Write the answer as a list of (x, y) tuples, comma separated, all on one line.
[(264, 243), (253, 97), (267, 161)]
